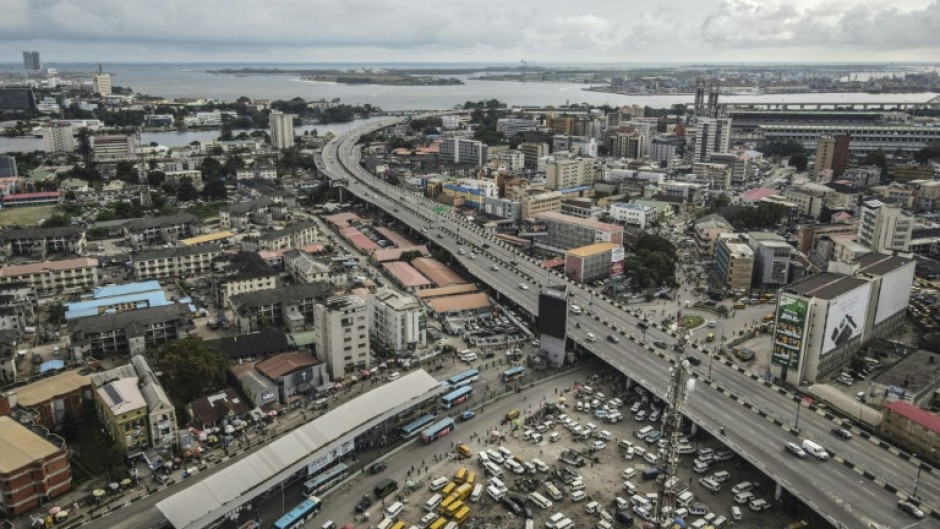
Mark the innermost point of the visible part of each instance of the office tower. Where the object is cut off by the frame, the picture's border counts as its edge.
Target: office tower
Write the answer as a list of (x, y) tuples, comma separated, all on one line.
[(825, 147), (699, 107), (31, 61), (840, 158), (712, 109), (282, 130), (711, 135), (7, 166), (885, 228), (102, 84)]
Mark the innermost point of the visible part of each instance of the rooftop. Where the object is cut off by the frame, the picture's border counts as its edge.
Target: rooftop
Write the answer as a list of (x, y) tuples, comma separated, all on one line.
[(358, 239), (460, 303), (20, 446), (394, 237), (395, 299), (285, 363), (758, 193), (270, 235), (913, 413), (587, 223), (592, 249), (285, 295), (176, 251), (428, 293), (257, 345), (122, 395), (35, 268), (134, 322), (393, 254), (213, 408), (207, 237), (406, 274), (341, 220), (877, 264), (159, 222), (241, 208), (41, 233), (437, 272), (713, 221), (826, 285), (46, 389)]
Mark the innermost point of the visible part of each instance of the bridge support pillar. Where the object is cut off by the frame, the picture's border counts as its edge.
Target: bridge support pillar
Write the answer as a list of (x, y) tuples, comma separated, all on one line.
[(778, 492), (694, 429)]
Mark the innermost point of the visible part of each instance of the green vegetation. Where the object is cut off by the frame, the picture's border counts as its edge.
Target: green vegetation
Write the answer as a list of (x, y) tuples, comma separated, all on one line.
[(190, 368), (25, 216), (928, 153), (761, 217), (692, 322), (781, 148), (653, 262)]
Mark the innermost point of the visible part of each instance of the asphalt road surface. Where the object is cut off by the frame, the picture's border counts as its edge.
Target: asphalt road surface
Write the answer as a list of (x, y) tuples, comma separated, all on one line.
[(836, 491)]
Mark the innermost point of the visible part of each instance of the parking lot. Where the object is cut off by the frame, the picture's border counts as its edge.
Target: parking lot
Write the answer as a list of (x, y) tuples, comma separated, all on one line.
[(589, 470)]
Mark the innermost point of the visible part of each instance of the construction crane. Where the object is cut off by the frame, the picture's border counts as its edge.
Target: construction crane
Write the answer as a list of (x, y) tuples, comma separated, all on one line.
[(679, 388)]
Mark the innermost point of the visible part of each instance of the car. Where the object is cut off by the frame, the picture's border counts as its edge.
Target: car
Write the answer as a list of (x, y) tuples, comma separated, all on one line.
[(640, 416), (759, 505), (629, 472), (693, 360), (394, 376), (467, 415), (910, 508), (661, 344), (723, 455), (711, 323), (698, 509), (795, 449), (613, 338), (511, 506), (743, 497), (378, 467), (162, 479), (624, 518), (494, 268), (842, 432), (590, 337), (363, 504)]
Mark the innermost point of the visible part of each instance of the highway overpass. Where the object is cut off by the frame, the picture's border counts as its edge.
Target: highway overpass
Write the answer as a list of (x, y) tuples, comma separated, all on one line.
[(858, 488)]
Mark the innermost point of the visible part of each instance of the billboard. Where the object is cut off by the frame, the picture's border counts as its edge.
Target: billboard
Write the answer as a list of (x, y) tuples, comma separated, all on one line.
[(845, 318), (617, 255), (553, 312), (790, 332), (895, 292)]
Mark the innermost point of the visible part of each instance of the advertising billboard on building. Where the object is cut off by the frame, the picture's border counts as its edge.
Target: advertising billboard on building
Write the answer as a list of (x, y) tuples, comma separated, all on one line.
[(895, 292), (553, 312), (617, 256), (790, 332), (845, 318)]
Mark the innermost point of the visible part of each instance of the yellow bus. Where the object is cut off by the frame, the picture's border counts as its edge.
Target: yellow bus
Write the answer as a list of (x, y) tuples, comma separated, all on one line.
[(462, 514), (439, 523), (461, 475), (471, 478), (442, 508), (399, 525), (453, 508), (448, 489), (464, 491)]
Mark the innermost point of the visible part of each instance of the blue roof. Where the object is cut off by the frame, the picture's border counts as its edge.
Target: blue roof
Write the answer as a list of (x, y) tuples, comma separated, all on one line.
[(574, 189), (108, 305), (129, 288), (51, 365)]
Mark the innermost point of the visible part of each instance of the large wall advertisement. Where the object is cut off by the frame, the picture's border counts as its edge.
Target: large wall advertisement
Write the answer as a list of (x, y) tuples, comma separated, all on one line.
[(846, 317), (790, 332), (617, 256), (895, 292)]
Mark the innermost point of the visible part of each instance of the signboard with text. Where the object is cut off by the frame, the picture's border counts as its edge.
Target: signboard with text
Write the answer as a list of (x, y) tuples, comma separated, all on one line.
[(790, 332)]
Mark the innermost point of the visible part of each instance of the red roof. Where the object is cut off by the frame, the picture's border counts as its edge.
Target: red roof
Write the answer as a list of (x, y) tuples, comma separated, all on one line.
[(553, 263), (915, 414), (28, 196), (758, 193)]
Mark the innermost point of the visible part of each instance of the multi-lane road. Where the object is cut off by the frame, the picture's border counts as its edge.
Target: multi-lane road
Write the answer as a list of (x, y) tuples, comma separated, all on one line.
[(839, 491)]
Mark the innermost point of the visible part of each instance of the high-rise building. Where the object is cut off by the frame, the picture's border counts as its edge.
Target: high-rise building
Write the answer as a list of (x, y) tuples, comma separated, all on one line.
[(8, 166), (531, 152), (734, 262), (825, 150), (565, 173), (840, 158), (630, 145), (102, 84), (117, 147), (462, 151), (57, 136), (396, 320), (32, 61), (342, 335), (711, 135), (885, 228), (282, 130)]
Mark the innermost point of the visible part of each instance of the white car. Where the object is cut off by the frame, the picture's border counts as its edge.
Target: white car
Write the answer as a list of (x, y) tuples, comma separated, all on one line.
[(394, 376), (629, 472), (796, 450), (590, 337), (523, 286)]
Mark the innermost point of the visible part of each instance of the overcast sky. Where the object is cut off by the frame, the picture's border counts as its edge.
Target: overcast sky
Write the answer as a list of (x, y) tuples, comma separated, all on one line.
[(608, 31)]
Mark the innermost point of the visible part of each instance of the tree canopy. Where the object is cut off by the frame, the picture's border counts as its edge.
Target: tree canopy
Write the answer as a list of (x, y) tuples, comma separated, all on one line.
[(190, 368)]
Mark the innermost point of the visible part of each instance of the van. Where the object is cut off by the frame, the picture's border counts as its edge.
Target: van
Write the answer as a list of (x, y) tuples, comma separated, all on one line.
[(721, 476), (426, 520), (643, 432), (651, 458), (592, 507), (321, 404), (565, 524), (386, 523), (685, 498), (514, 466), (461, 475), (498, 483), (540, 465), (540, 500), (622, 504), (554, 520), (553, 491), (629, 453), (464, 450), (461, 515), (439, 523), (624, 444), (433, 502), (493, 470), (578, 495), (512, 414), (329, 524), (554, 437), (710, 337), (453, 508), (709, 484), (735, 512), (577, 484), (629, 488), (438, 484), (602, 524), (471, 478), (477, 493), (463, 491), (815, 450), (529, 467), (640, 501), (650, 473), (448, 489), (484, 458), (394, 510)]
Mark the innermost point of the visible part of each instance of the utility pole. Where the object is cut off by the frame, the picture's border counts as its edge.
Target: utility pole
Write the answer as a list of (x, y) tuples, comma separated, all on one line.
[(676, 396)]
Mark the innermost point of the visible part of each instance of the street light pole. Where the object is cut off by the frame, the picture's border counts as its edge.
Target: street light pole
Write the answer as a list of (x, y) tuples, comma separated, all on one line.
[(920, 467), (796, 424)]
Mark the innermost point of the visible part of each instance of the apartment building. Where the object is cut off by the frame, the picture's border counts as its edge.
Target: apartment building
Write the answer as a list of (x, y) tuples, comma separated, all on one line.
[(342, 335), (707, 230), (134, 407), (565, 231), (242, 215), (240, 273), (101, 84), (289, 307), (914, 428), (570, 172), (58, 137), (712, 135), (535, 202), (665, 148), (129, 332), (462, 151), (532, 152), (304, 268), (53, 276), (592, 262), (293, 236), (52, 397), (396, 321), (264, 171), (772, 256), (179, 261), (113, 148), (504, 208), (34, 469), (40, 243), (282, 130), (623, 144), (160, 230), (885, 228), (734, 262)]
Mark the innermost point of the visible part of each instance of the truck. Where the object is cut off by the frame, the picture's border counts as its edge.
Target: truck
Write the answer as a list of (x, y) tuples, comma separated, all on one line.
[(815, 450)]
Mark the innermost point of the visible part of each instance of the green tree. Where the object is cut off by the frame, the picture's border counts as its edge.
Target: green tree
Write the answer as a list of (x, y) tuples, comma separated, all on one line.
[(126, 170), (83, 147), (211, 168), (156, 178), (190, 368), (879, 158), (186, 192), (781, 148), (214, 190), (799, 160), (927, 153), (56, 313)]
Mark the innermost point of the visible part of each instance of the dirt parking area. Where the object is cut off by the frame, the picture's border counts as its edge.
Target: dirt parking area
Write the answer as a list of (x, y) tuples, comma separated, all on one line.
[(603, 472)]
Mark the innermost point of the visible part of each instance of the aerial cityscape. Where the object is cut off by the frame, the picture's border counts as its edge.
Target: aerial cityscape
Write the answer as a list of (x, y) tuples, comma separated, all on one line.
[(415, 266)]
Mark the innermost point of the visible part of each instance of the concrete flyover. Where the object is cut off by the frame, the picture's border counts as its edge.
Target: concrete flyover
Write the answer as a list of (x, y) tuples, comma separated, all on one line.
[(856, 489)]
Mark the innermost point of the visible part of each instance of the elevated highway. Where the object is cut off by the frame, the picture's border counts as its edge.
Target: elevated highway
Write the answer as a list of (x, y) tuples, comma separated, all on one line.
[(858, 488)]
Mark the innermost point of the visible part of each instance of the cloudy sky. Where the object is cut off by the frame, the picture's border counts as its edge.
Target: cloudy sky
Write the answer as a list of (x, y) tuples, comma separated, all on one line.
[(549, 31)]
